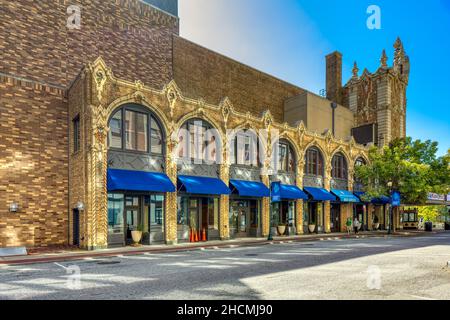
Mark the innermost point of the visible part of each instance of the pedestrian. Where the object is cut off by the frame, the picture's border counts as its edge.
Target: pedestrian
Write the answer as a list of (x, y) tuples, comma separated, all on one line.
[(348, 224), (356, 225)]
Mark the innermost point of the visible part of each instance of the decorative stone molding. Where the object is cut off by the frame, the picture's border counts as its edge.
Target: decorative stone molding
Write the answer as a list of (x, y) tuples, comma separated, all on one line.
[(106, 93)]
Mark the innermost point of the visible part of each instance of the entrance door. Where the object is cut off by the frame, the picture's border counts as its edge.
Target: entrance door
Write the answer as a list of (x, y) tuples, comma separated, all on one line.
[(76, 228), (203, 221), (132, 209), (335, 215)]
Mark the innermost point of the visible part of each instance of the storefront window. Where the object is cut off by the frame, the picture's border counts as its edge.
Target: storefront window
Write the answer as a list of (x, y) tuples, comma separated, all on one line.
[(115, 213), (213, 213), (291, 214), (182, 212), (254, 214)]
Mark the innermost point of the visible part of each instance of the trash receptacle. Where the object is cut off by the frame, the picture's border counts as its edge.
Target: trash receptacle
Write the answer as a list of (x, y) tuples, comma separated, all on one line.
[(447, 226), (428, 226)]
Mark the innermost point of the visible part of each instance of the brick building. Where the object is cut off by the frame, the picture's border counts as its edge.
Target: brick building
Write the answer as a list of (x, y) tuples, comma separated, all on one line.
[(85, 108)]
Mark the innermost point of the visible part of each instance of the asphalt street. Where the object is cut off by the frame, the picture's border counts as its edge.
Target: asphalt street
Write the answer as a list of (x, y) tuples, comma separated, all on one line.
[(366, 268)]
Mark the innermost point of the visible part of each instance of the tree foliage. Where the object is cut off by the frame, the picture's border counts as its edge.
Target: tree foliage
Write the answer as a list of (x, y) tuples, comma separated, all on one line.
[(432, 213), (412, 167)]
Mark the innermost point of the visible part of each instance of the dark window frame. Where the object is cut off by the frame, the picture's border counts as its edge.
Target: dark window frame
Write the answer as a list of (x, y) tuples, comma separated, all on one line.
[(339, 167), (151, 116), (290, 155), (314, 164)]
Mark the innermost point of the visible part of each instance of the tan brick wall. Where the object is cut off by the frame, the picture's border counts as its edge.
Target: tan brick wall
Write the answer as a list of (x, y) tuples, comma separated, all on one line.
[(33, 164), (202, 73), (132, 37)]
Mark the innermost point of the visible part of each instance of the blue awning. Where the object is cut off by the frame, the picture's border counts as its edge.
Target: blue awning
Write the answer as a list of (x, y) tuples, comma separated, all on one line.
[(250, 188), (128, 180), (292, 192), (380, 201), (345, 196), (360, 194), (202, 185), (320, 194)]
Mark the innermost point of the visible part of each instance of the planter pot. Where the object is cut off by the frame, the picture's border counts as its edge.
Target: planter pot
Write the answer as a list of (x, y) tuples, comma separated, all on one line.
[(376, 226), (312, 228), (137, 236), (281, 230)]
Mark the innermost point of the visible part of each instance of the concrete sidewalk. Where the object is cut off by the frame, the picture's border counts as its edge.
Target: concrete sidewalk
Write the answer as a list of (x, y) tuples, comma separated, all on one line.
[(71, 255)]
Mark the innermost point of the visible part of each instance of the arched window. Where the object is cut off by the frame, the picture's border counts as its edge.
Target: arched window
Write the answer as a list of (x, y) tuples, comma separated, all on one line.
[(135, 128), (199, 141), (314, 162), (245, 148), (360, 162), (339, 167), (285, 156)]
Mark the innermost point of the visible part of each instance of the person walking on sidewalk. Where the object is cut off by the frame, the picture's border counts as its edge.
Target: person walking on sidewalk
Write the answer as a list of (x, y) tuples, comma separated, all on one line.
[(356, 225), (348, 224)]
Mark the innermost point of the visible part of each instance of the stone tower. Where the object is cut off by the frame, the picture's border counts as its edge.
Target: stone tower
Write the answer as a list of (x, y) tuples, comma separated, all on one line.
[(378, 99)]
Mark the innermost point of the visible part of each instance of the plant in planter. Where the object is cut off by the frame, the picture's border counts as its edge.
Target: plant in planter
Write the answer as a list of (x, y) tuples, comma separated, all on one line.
[(312, 228), (137, 234)]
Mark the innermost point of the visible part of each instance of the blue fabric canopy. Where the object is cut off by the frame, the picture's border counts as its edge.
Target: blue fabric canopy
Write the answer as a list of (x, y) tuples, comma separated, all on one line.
[(202, 185), (320, 194), (345, 196), (250, 188), (360, 194), (128, 180), (292, 192), (380, 201)]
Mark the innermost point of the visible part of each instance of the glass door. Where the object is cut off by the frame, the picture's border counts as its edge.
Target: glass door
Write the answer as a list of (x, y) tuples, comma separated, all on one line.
[(193, 215), (131, 216)]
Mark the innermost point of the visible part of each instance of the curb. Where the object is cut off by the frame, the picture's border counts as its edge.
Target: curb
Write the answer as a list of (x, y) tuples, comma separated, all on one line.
[(84, 256)]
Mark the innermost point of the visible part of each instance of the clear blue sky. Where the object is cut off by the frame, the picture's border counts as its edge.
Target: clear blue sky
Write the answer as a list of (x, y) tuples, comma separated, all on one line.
[(290, 38)]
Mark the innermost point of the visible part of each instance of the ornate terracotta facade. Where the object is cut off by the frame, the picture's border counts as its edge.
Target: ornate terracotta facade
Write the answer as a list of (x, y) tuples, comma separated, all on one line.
[(97, 93)]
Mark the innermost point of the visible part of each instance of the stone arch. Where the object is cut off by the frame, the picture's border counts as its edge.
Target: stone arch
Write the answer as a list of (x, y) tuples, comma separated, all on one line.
[(292, 143), (362, 156), (133, 99), (341, 150), (214, 125), (231, 135), (315, 144)]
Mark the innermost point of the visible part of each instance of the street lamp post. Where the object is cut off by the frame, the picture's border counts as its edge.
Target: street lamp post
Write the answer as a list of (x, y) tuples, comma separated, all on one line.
[(389, 184), (274, 197)]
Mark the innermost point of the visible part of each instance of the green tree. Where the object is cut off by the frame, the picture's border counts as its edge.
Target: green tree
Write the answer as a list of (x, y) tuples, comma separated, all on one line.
[(428, 213), (412, 167)]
